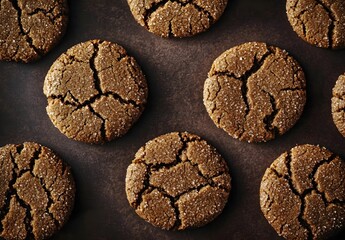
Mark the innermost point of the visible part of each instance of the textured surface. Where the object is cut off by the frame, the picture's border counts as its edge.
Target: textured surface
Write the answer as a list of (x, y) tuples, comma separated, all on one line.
[(338, 104), (319, 22), (177, 18), (302, 194), (255, 92), (178, 181), (30, 28), (95, 92), (36, 192), (176, 70)]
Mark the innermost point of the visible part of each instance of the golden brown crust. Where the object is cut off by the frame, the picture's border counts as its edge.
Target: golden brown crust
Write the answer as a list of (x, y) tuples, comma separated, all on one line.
[(318, 22), (37, 192), (302, 194), (29, 28), (95, 92), (181, 18), (178, 181), (255, 92)]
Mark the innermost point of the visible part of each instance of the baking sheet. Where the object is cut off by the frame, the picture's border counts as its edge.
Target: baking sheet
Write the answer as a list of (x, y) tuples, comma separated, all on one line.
[(176, 70)]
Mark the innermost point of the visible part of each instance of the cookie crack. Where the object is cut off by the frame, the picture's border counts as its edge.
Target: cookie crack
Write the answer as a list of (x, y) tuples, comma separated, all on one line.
[(333, 19), (48, 13), (28, 39), (28, 217), (300, 218), (269, 119), (203, 10), (155, 6)]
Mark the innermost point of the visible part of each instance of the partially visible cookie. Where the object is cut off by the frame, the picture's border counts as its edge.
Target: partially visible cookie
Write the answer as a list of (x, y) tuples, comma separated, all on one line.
[(255, 92), (95, 92), (302, 194), (178, 181), (37, 192), (338, 104), (318, 22), (30, 28), (181, 18)]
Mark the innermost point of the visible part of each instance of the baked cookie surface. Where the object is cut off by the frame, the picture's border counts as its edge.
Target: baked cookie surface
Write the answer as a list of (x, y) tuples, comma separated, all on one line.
[(37, 192), (30, 28), (95, 92), (255, 92), (302, 194), (177, 18), (338, 104), (318, 22), (178, 181)]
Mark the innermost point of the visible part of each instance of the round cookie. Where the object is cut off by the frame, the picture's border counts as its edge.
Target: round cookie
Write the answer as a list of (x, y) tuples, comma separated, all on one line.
[(255, 92), (302, 194), (37, 192), (182, 18), (318, 22), (338, 104), (30, 28), (95, 92), (178, 181)]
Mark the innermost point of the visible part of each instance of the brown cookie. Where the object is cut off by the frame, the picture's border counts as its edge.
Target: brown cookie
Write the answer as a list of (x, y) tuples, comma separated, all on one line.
[(30, 28), (95, 92), (36, 192), (181, 18), (302, 193), (255, 92), (318, 22), (338, 104), (178, 181)]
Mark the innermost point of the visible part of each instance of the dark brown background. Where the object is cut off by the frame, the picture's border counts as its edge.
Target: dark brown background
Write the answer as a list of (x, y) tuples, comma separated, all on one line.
[(175, 71)]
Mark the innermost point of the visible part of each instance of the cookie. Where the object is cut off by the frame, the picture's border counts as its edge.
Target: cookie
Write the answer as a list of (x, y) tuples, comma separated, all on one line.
[(95, 92), (37, 192), (318, 22), (29, 28), (178, 181), (302, 194), (182, 18), (255, 92), (338, 104)]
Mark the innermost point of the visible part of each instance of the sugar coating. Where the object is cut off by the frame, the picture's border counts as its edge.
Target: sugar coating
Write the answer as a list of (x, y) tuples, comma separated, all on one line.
[(302, 194), (255, 92), (95, 92), (178, 181), (37, 192), (338, 104), (177, 18), (30, 28), (319, 22)]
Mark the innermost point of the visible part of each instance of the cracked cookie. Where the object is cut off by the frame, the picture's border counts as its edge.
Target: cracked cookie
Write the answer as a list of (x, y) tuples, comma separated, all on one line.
[(255, 92), (178, 181), (95, 92), (36, 192), (302, 194), (29, 28), (318, 22), (177, 18), (338, 104)]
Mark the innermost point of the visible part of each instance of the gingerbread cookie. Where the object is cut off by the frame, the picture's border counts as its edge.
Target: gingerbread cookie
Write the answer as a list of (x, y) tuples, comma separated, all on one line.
[(338, 104), (30, 28), (318, 22), (255, 92), (178, 181), (36, 192), (302, 194), (181, 18), (95, 92)]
